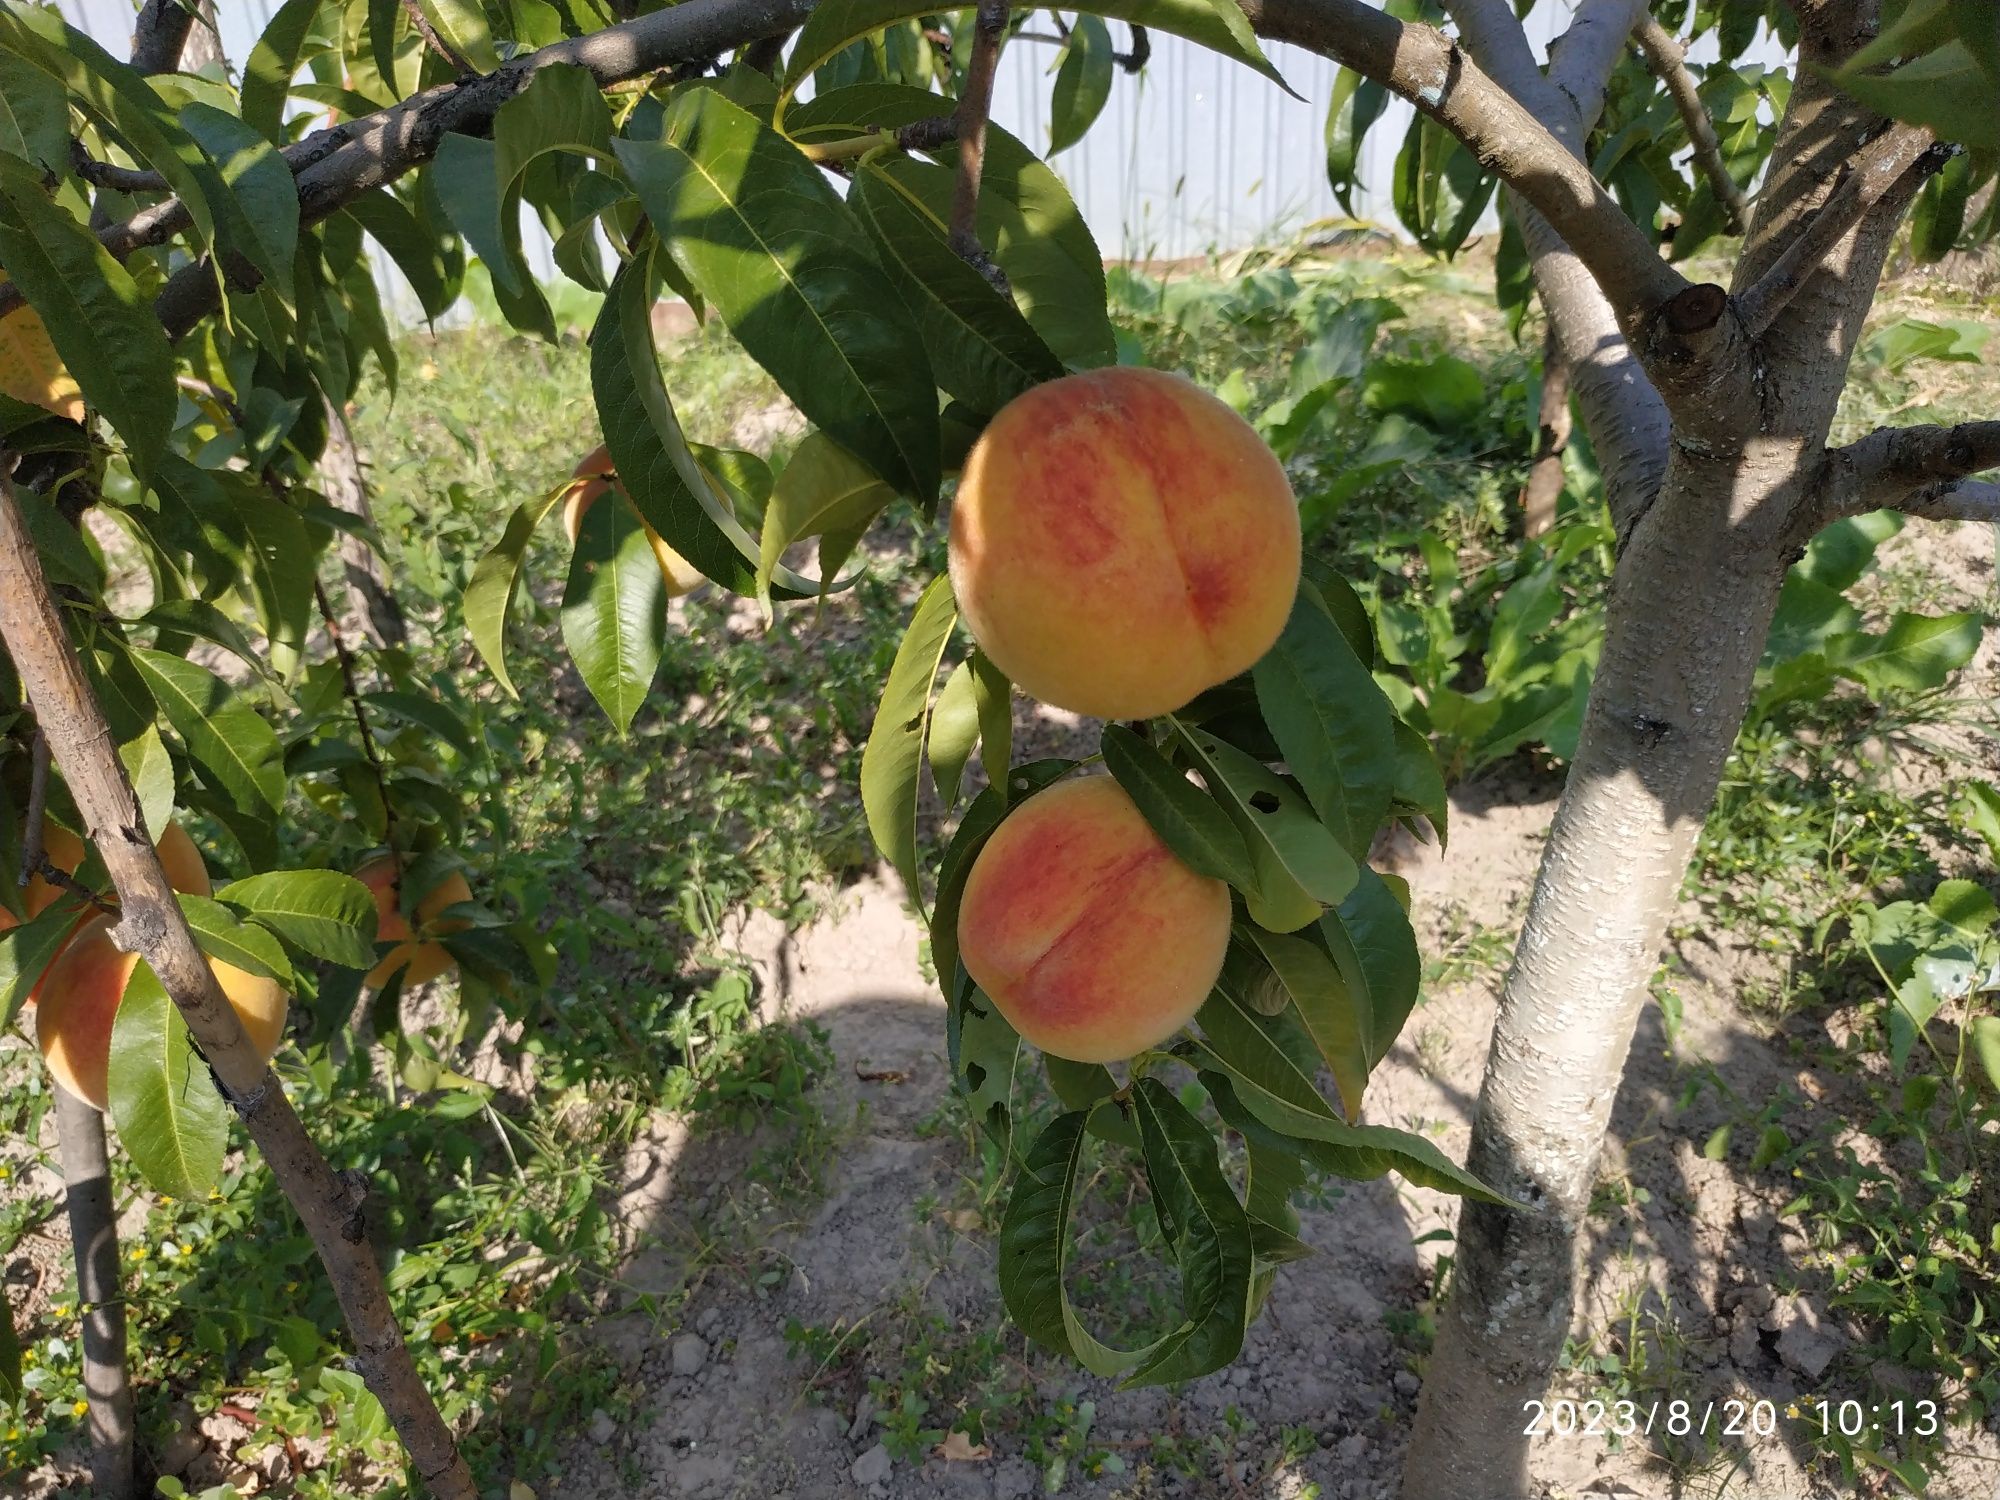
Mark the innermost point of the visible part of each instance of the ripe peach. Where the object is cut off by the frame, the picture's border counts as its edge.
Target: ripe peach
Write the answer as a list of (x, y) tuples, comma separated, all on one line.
[(1121, 541), (62, 849), (83, 989), (421, 961), (595, 476), (1094, 940)]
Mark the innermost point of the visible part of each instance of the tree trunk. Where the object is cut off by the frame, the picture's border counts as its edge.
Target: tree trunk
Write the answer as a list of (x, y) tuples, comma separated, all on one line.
[(204, 39), (368, 588), (1545, 475), (93, 1231), (1691, 605)]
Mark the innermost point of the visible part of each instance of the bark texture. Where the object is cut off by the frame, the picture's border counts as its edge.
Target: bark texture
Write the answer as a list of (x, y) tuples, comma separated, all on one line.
[(368, 588), (152, 925), (1545, 475), (93, 1233)]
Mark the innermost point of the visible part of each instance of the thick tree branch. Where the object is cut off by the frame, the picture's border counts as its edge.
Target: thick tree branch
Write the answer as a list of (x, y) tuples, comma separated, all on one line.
[(1583, 58), (1427, 68), (1966, 500), (989, 35), (1870, 180), (159, 33), (1917, 469), (1668, 60), (152, 924)]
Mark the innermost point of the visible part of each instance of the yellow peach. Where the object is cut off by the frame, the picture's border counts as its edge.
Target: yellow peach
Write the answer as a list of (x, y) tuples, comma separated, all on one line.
[(420, 960), (1121, 541), (83, 989), (1093, 939)]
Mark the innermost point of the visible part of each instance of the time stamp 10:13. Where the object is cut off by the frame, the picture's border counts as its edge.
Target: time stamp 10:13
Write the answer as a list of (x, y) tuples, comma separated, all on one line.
[(1731, 1418)]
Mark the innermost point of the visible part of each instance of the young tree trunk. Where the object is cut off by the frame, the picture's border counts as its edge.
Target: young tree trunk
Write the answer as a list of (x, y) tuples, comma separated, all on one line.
[(93, 1231), (368, 588), (1545, 475), (1691, 605)]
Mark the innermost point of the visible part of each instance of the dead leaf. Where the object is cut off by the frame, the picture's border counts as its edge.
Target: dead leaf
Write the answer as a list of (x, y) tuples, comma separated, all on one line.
[(959, 1449), (520, 1491), (884, 1075), (30, 369), (964, 1220)]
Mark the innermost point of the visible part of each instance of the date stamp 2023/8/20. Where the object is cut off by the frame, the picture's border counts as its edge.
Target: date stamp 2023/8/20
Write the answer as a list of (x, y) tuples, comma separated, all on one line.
[(1746, 1418)]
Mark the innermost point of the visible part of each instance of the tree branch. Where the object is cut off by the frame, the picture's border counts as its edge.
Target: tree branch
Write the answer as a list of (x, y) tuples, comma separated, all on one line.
[(1917, 469), (153, 925), (435, 42), (93, 1232), (1870, 179), (1583, 58), (376, 150), (989, 35), (1668, 60), (158, 35), (1966, 500), (1425, 67), (109, 175)]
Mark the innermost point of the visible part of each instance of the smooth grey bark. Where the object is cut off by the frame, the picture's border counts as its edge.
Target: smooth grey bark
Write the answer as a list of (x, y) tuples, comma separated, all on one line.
[(1688, 612), (93, 1232)]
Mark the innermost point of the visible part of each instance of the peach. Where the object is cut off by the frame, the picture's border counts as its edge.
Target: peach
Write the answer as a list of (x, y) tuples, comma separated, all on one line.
[(62, 849), (83, 989), (421, 961), (595, 476), (1121, 541), (1094, 940)]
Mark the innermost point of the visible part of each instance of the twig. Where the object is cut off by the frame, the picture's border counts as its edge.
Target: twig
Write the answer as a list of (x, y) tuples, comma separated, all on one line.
[(352, 687), (110, 175), (921, 135), (989, 34), (38, 802), (1140, 53), (159, 33), (153, 926), (435, 42), (1668, 60), (1873, 175)]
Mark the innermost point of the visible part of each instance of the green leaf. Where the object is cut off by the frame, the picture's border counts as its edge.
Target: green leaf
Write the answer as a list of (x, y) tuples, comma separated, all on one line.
[(1916, 653), (954, 730), (225, 936), (419, 253), (1186, 818), (1332, 723), (1215, 24), (261, 210), (463, 25), (1357, 103), (777, 253), (1373, 946), (983, 350), (171, 1120), (1301, 867), (1265, 1067), (1439, 189), (1982, 810), (100, 323), (27, 951), (34, 115), (890, 765), (1419, 783), (1210, 1233), (425, 713), (985, 1053), (614, 611), (466, 179), (267, 76), (489, 597), (321, 912), (1325, 1006), (1945, 89), (279, 556), (651, 453), (10, 1340), (150, 769), (1986, 1047), (993, 695), (824, 491), (228, 739), (1083, 83)]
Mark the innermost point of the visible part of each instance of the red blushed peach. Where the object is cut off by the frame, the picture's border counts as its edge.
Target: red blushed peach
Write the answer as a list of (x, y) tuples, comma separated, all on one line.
[(1094, 940), (1121, 541), (83, 989), (595, 475), (420, 960)]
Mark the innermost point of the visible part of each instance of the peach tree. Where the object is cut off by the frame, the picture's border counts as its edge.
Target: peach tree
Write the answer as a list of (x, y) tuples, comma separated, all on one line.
[(187, 308)]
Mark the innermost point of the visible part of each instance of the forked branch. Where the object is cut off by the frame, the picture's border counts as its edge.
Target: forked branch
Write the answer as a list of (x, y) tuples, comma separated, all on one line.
[(1667, 59), (151, 924)]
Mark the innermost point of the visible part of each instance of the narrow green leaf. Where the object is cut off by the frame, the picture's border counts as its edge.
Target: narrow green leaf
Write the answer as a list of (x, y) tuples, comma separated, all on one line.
[(1916, 653), (34, 115), (823, 491), (1083, 83), (171, 1119), (261, 210), (1186, 818), (150, 769), (227, 737), (993, 696), (1332, 723), (273, 61), (1356, 104), (773, 249), (280, 557), (1419, 784), (614, 611), (419, 253), (322, 912), (954, 730), (100, 323), (489, 597), (890, 764), (426, 713), (1326, 1007), (1373, 946), (224, 935), (27, 951)]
